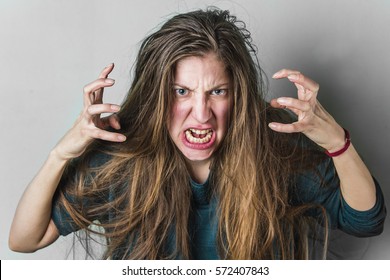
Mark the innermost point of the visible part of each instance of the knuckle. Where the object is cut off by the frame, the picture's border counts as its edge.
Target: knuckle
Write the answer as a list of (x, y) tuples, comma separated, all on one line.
[(98, 134), (90, 109), (93, 86), (300, 127), (307, 106), (87, 88), (85, 115)]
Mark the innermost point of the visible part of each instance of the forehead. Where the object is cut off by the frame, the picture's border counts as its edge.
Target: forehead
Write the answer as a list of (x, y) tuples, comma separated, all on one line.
[(207, 69)]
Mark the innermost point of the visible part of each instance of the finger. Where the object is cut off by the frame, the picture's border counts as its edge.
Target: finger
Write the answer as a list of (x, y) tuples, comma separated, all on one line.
[(97, 109), (113, 121), (286, 128), (284, 73), (302, 93), (297, 78), (304, 81), (274, 103), (103, 75), (106, 135), (293, 103), (106, 71), (98, 84), (89, 89)]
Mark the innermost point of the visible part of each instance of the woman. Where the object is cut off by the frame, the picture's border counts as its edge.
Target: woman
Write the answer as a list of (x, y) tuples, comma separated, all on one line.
[(196, 164)]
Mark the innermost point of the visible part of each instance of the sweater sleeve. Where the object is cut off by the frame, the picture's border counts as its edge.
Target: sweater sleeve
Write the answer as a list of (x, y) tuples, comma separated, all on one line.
[(60, 215), (322, 187)]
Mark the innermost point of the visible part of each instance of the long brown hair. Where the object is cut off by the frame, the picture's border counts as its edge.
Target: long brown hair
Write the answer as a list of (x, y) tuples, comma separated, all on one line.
[(145, 181)]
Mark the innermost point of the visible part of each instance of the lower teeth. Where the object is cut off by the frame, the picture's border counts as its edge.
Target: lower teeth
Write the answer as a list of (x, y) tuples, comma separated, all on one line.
[(193, 139)]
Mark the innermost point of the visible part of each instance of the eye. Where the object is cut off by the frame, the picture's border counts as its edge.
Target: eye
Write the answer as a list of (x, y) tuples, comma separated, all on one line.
[(218, 92), (181, 91)]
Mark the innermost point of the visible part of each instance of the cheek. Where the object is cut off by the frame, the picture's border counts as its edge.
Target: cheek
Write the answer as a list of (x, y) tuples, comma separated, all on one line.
[(223, 113), (176, 118)]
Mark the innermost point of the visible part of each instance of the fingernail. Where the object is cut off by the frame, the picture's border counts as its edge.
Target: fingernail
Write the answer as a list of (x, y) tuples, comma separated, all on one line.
[(109, 81), (282, 101), (272, 125), (115, 107), (276, 75), (121, 138), (110, 65), (292, 77)]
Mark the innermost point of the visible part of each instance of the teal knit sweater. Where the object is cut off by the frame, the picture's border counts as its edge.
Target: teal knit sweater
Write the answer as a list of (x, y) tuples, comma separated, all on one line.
[(204, 221)]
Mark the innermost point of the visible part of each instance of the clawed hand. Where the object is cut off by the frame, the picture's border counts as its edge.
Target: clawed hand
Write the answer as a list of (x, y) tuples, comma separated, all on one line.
[(313, 120), (90, 125)]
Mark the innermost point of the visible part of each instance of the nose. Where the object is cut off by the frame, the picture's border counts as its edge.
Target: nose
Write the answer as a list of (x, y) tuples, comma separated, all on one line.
[(201, 110)]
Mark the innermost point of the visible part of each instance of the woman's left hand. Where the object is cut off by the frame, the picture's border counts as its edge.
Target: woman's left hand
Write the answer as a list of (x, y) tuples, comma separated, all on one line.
[(356, 183), (313, 120)]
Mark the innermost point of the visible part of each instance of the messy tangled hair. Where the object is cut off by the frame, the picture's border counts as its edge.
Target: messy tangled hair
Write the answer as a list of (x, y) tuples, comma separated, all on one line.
[(144, 184)]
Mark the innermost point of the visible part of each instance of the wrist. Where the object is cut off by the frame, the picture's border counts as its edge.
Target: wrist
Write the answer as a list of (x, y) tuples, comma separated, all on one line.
[(335, 139), (55, 154), (341, 148)]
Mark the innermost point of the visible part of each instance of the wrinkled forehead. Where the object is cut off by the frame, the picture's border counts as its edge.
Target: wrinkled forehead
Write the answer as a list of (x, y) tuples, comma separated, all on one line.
[(207, 69)]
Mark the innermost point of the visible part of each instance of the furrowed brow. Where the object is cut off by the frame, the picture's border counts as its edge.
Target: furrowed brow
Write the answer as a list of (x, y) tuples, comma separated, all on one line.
[(220, 86), (182, 86)]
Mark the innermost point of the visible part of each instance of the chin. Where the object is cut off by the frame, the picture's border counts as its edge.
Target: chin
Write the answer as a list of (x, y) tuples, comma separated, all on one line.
[(197, 158)]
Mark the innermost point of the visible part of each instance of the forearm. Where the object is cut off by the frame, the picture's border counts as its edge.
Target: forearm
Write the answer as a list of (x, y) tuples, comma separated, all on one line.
[(33, 214), (356, 182), (31, 228), (357, 185)]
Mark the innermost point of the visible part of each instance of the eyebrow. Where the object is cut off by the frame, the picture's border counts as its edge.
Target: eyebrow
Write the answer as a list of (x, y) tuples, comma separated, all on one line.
[(218, 86)]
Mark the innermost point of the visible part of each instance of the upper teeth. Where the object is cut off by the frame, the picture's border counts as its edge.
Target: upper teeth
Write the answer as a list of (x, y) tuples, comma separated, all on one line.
[(197, 131), (200, 136)]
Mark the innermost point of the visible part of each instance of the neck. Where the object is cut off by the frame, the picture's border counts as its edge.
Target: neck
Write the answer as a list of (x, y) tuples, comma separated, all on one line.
[(199, 170)]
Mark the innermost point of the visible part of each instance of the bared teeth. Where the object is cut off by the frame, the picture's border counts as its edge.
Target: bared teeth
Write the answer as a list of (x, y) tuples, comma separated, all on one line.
[(203, 136), (200, 132)]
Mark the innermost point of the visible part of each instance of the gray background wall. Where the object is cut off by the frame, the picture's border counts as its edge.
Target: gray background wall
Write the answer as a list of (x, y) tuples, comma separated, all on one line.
[(50, 49)]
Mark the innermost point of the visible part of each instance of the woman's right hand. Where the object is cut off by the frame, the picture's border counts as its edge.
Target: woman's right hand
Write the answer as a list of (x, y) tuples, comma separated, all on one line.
[(90, 125), (34, 208)]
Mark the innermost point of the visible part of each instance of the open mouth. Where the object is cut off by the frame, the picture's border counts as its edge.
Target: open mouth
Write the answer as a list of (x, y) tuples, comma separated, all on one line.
[(198, 136)]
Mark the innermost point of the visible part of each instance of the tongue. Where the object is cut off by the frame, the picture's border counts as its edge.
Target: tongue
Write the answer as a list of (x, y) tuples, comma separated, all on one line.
[(198, 135)]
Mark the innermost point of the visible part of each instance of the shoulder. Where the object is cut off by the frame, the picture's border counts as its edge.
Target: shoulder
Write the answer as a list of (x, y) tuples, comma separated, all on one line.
[(93, 158), (97, 159), (85, 167)]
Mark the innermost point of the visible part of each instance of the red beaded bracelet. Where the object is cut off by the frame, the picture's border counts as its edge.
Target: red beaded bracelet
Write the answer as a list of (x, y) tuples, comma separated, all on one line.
[(347, 143)]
